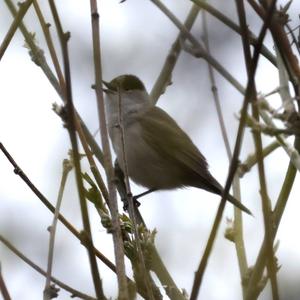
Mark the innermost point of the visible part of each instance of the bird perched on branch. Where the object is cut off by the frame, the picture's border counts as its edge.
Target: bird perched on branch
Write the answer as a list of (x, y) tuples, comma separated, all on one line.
[(158, 153)]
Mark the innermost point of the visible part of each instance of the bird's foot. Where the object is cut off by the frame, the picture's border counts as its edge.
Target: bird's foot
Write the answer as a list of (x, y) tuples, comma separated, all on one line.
[(134, 198), (136, 203)]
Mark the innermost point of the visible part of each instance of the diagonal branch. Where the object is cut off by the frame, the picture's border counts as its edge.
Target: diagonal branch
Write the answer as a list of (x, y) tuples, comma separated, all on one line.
[(14, 26), (71, 120), (164, 77)]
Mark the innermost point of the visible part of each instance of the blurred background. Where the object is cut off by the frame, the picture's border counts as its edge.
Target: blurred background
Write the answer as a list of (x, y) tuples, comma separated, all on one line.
[(135, 39)]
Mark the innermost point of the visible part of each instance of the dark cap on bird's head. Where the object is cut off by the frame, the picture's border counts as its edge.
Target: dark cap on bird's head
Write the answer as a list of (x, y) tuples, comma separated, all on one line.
[(124, 83)]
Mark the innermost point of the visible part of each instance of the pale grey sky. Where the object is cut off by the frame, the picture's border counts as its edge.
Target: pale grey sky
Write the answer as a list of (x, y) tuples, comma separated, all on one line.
[(136, 38)]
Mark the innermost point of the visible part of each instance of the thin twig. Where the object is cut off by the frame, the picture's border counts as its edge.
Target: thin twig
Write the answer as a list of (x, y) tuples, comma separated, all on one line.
[(198, 47), (284, 47), (164, 77), (164, 276), (130, 201), (74, 292), (67, 167), (3, 287), (233, 165), (38, 57), (72, 133), (287, 147), (214, 89), (117, 234), (285, 95), (230, 24), (18, 171), (92, 162), (251, 160), (238, 220), (257, 270), (46, 31), (36, 53), (14, 26), (267, 214)]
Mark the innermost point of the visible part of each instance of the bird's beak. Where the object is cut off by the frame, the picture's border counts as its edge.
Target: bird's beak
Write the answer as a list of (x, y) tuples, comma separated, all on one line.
[(109, 88)]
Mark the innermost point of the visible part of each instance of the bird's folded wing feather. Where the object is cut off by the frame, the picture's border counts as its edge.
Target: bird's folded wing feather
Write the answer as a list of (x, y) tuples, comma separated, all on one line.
[(164, 135)]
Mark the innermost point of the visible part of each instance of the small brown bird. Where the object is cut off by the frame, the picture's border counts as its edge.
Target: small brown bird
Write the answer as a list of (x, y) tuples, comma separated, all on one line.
[(159, 154)]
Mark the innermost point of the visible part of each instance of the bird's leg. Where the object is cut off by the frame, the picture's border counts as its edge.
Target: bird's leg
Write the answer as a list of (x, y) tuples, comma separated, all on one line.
[(143, 194), (134, 198), (122, 189)]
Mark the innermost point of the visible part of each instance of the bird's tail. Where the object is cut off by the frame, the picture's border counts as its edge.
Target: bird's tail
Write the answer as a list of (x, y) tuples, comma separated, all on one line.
[(238, 204)]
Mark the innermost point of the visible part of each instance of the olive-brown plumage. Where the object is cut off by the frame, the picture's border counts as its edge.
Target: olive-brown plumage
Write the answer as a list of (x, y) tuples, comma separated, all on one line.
[(159, 154)]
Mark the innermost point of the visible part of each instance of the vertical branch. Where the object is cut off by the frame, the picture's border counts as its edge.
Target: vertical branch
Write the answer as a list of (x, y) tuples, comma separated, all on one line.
[(238, 221), (66, 169), (267, 213), (93, 166), (257, 271), (71, 128), (234, 162), (117, 234), (131, 204), (214, 89)]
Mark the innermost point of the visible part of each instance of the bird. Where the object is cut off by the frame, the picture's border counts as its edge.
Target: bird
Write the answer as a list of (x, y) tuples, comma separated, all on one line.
[(159, 155)]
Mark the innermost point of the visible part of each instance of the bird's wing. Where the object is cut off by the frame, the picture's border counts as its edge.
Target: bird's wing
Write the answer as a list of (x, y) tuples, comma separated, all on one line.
[(164, 135), (179, 149)]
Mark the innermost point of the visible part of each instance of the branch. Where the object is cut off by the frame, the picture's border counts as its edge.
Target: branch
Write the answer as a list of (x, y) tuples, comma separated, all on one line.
[(164, 77), (3, 287), (233, 165), (257, 270), (113, 205), (131, 204), (266, 206), (14, 26), (74, 292), (230, 24), (198, 47), (71, 119), (67, 167)]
